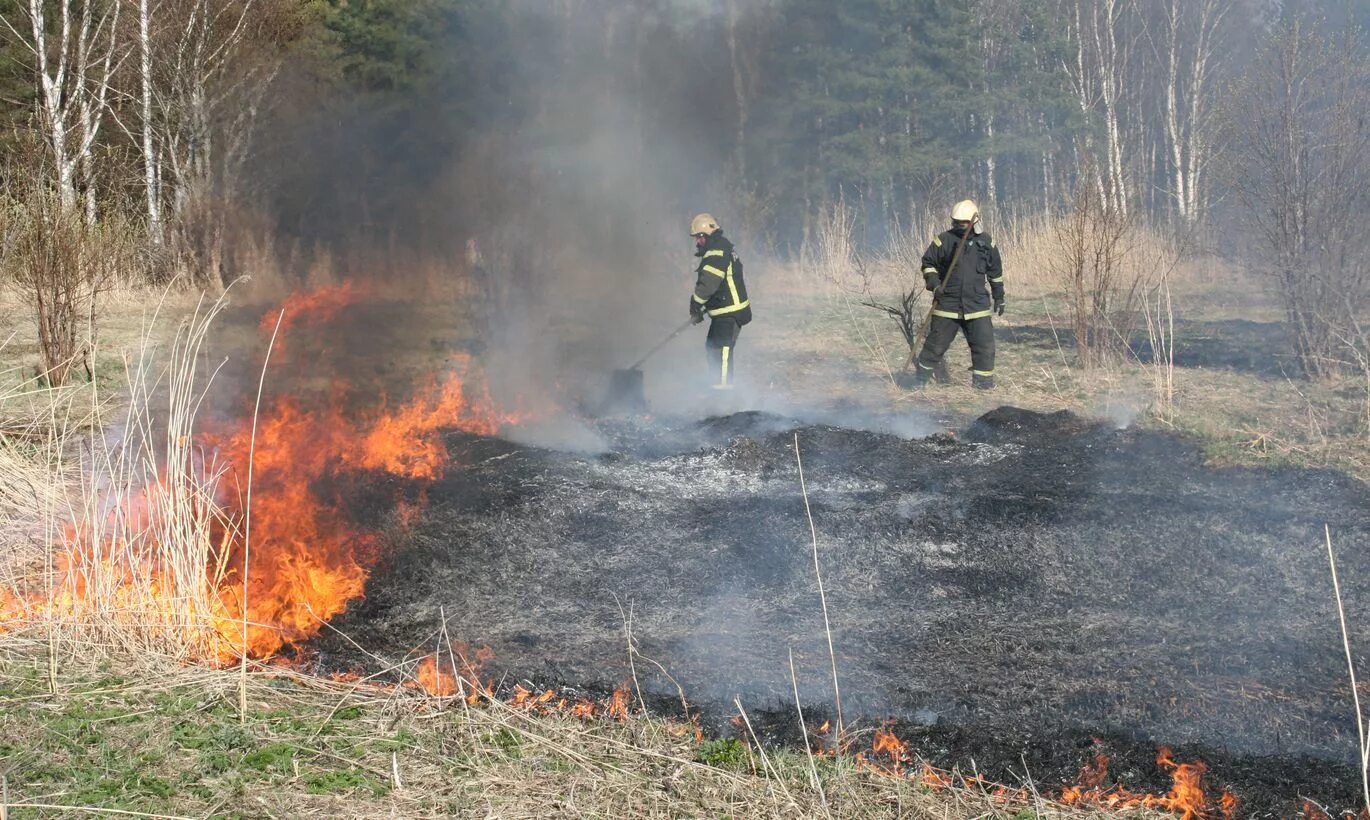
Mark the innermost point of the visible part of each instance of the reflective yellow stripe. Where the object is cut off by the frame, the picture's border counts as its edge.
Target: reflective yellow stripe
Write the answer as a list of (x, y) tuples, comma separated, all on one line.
[(695, 296), (948, 314), (731, 308), (732, 286), (983, 372), (1000, 279), (929, 270), (723, 377), (937, 240), (708, 254), (715, 271)]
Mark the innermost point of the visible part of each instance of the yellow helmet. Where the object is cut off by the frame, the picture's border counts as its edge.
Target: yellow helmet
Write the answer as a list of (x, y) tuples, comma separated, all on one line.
[(965, 211), (703, 224)]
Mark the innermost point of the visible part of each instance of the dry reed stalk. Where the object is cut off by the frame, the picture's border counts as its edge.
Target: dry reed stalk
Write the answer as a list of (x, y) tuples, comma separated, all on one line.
[(822, 595), (247, 527), (1364, 747), (808, 749), (765, 758)]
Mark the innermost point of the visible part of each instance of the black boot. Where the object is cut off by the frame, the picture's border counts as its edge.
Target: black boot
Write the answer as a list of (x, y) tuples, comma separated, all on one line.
[(982, 382), (921, 377)]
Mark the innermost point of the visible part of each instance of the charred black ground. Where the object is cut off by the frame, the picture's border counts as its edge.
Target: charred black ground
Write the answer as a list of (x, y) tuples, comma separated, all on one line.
[(1006, 595)]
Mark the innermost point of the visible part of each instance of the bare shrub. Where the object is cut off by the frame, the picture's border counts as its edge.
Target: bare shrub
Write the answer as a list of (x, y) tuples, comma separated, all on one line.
[(1160, 328), (1300, 169), (1102, 265), (60, 264)]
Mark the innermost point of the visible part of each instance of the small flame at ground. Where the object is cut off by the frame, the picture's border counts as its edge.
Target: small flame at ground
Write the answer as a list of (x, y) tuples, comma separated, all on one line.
[(890, 756), (1186, 796)]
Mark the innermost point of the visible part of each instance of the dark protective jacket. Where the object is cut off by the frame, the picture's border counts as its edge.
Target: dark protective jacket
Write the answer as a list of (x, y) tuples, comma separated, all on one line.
[(720, 288), (963, 294)]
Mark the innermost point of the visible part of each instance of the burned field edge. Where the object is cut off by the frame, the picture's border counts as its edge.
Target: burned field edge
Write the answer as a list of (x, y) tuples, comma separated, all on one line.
[(485, 555)]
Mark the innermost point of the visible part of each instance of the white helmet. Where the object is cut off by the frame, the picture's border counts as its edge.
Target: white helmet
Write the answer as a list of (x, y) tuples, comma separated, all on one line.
[(703, 224), (965, 211)]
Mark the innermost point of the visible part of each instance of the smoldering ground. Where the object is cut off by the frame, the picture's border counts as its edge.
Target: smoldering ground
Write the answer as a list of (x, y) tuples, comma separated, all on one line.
[(1013, 593)]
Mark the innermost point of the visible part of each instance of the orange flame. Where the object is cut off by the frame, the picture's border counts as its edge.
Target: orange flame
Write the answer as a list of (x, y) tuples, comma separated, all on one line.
[(440, 676), (887, 744), (1312, 811), (1228, 805), (306, 561), (618, 705), (311, 308), (1186, 796), (436, 679)]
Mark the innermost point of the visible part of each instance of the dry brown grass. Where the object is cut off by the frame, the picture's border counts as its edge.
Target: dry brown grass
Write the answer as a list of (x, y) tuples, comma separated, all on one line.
[(817, 345)]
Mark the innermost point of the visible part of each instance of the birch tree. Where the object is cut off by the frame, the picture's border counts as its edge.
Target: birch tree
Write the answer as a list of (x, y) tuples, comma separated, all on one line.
[(151, 176), (1103, 39), (200, 76), (1190, 53), (73, 45)]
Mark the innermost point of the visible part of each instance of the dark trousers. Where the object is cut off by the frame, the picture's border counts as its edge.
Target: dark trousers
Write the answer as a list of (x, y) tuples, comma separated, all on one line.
[(721, 346), (979, 335)]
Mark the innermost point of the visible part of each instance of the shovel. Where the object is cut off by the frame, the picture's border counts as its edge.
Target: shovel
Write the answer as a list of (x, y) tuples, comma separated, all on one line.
[(625, 387)]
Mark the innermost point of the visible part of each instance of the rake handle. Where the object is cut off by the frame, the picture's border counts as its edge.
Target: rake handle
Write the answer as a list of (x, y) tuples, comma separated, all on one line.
[(688, 322)]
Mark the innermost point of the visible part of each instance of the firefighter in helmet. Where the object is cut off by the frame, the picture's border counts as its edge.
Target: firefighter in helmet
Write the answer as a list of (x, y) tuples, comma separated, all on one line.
[(957, 266), (721, 293)]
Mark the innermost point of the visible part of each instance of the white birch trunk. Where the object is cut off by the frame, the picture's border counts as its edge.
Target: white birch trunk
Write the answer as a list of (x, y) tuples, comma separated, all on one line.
[(73, 86), (1192, 30), (1112, 65), (151, 176)]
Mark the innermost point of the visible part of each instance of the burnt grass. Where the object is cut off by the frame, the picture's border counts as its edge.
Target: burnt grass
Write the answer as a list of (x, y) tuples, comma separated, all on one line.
[(1009, 597)]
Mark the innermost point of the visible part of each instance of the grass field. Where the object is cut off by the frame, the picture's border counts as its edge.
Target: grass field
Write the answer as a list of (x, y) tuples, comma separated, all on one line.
[(144, 740), (105, 728)]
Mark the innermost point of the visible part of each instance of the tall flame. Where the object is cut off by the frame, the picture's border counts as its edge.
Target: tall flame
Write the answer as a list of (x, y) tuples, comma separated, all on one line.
[(307, 560)]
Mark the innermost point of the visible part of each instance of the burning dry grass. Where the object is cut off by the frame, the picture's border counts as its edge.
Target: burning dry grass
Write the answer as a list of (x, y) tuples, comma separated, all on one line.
[(144, 540), (152, 739)]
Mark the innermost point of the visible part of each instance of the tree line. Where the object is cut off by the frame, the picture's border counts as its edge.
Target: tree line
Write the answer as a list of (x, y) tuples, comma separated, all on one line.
[(330, 121)]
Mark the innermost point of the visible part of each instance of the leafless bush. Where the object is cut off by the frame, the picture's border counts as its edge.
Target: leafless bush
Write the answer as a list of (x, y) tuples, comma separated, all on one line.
[(1355, 340), (1160, 328), (60, 264), (1301, 169), (1102, 266)]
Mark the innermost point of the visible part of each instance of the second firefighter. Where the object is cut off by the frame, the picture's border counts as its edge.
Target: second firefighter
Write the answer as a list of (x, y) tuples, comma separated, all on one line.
[(963, 269), (721, 294)]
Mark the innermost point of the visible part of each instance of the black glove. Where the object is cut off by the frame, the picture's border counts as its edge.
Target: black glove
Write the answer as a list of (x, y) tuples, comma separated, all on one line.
[(696, 311), (998, 307), (931, 280)]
